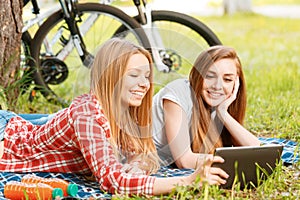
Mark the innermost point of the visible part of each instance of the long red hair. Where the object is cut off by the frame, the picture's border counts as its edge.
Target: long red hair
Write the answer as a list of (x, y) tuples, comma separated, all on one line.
[(132, 129), (207, 133)]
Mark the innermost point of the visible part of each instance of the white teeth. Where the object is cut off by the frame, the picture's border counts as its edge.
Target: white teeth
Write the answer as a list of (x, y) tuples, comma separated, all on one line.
[(138, 93), (213, 94)]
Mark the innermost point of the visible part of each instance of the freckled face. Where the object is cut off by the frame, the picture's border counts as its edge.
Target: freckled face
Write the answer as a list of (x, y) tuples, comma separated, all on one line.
[(219, 82), (136, 81)]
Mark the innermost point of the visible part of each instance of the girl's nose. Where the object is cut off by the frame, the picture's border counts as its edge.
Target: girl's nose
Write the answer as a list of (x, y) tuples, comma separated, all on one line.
[(218, 84), (144, 82)]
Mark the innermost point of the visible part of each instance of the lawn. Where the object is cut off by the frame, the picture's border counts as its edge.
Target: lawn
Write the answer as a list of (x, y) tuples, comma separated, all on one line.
[(269, 51), (269, 54)]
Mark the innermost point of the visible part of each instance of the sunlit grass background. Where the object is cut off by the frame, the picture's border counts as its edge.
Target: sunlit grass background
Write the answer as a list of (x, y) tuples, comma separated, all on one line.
[(269, 53)]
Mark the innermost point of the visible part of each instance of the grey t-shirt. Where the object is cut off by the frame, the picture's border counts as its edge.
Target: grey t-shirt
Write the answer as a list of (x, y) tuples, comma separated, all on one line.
[(179, 92)]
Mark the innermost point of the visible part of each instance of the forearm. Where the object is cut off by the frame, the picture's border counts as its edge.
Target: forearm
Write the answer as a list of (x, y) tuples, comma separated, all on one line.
[(241, 135), (166, 185), (191, 160), (188, 160), (211, 175)]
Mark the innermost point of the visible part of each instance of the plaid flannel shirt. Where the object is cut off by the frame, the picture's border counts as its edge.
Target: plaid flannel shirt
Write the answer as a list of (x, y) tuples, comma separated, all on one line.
[(76, 140)]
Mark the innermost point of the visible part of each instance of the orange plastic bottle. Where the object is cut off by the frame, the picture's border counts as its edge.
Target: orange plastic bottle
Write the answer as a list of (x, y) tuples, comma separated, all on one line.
[(15, 190), (67, 188)]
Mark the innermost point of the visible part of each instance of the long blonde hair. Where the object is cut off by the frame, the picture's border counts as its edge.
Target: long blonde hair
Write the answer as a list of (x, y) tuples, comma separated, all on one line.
[(207, 133), (131, 129)]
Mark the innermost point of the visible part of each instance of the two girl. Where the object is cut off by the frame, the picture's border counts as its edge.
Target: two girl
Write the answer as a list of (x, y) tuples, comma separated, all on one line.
[(106, 133)]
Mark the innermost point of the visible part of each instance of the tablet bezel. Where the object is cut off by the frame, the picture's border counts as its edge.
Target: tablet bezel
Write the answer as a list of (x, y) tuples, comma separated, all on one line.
[(244, 161)]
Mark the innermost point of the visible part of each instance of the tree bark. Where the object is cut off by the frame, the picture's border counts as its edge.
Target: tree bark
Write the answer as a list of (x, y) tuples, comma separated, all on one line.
[(10, 46)]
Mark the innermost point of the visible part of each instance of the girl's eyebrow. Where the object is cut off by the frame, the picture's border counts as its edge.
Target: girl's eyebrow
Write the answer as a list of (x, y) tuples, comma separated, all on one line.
[(210, 71), (138, 70), (229, 74), (133, 69)]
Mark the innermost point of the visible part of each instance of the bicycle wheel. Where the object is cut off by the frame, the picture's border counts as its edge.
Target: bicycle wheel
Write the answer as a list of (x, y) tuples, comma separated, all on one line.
[(60, 73), (25, 70), (179, 39)]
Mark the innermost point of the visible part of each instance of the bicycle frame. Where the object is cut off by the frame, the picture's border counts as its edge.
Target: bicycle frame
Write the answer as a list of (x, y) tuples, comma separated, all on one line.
[(39, 18), (76, 33), (87, 59), (68, 7), (144, 13), (162, 55), (152, 33)]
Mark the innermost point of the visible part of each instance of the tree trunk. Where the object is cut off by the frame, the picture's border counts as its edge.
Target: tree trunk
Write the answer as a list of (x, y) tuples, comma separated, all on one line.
[(10, 46)]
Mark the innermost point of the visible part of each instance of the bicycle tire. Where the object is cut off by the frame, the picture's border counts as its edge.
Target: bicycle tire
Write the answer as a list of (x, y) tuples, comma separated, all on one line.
[(110, 16), (210, 37), (26, 73), (184, 37), (183, 33)]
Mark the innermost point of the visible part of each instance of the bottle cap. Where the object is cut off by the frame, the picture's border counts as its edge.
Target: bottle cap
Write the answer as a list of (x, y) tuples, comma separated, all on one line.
[(72, 189), (57, 192)]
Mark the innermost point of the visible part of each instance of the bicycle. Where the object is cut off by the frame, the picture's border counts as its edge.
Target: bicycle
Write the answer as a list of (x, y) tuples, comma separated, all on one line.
[(159, 21), (61, 40), (161, 28), (176, 39)]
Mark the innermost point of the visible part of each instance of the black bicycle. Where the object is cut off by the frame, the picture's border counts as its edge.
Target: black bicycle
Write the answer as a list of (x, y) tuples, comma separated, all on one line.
[(62, 46), (178, 38)]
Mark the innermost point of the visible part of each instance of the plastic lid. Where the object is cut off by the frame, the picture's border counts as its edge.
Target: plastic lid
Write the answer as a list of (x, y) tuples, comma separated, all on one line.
[(57, 192), (72, 189)]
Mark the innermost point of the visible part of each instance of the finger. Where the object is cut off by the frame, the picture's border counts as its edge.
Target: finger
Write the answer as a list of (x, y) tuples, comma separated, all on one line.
[(219, 172), (215, 180), (202, 158), (218, 159), (218, 181), (204, 162)]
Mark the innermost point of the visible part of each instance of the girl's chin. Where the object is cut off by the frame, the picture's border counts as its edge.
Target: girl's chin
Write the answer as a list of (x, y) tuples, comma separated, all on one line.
[(135, 103), (214, 103)]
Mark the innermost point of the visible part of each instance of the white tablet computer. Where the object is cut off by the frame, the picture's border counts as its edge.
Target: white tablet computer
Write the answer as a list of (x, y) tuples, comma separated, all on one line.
[(248, 164)]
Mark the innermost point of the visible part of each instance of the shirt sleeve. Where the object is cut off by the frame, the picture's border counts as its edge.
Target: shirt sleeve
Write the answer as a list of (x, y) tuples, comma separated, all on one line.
[(179, 92), (99, 155)]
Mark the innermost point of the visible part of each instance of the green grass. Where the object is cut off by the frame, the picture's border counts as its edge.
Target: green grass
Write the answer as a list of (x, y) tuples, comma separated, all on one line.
[(269, 51)]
